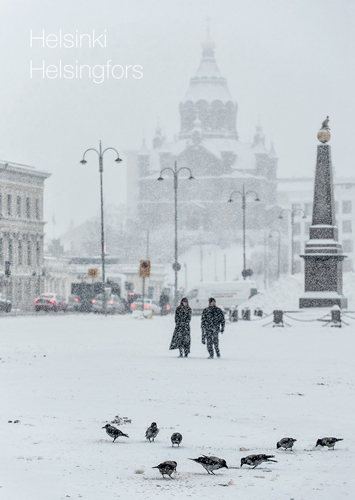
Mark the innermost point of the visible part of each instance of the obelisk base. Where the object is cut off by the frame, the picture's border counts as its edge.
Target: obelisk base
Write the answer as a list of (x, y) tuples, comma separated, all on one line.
[(323, 281), (322, 299)]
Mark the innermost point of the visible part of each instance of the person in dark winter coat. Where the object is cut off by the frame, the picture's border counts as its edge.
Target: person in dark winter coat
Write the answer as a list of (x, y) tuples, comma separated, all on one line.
[(181, 338), (212, 322)]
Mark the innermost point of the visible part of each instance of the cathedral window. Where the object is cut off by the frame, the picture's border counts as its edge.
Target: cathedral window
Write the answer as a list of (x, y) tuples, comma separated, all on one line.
[(18, 206), (20, 253), (28, 208), (29, 253), (37, 209), (11, 253), (9, 204)]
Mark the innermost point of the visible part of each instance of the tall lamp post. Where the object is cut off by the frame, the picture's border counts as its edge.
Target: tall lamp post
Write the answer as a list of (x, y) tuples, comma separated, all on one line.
[(293, 213), (244, 195), (176, 266), (100, 154), (278, 250)]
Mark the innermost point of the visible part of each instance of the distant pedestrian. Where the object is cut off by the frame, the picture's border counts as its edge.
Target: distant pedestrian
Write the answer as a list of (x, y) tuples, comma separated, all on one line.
[(181, 338), (212, 322)]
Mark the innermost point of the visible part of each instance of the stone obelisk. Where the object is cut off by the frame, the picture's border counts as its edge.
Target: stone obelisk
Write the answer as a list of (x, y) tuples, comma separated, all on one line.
[(323, 256)]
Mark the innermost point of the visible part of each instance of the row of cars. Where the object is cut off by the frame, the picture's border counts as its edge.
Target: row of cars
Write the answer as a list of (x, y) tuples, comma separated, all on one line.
[(114, 304)]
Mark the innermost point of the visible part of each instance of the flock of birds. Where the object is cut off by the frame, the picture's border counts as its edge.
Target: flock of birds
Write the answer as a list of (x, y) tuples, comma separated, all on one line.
[(211, 463)]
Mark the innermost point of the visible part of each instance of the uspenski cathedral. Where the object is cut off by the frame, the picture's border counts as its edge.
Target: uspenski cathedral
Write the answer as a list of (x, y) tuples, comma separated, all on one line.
[(208, 145)]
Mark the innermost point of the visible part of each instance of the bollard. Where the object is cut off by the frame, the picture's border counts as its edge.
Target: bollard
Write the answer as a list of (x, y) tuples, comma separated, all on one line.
[(335, 314), (246, 314), (234, 315), (278, 318), (258, 312)]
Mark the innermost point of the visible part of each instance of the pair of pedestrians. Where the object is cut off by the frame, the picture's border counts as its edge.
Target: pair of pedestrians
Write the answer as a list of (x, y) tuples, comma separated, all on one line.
[(212, 322)]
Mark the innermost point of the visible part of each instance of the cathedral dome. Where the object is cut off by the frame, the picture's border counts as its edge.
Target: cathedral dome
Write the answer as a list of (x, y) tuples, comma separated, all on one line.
[(208, 99)]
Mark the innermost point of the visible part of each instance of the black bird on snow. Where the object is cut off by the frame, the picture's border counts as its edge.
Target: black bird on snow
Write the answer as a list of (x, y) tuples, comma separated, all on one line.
[(167, 467), (255, 460), (210, 463), (152, 431), (114, 432), (286, 443), (176, 438), (329, 441)]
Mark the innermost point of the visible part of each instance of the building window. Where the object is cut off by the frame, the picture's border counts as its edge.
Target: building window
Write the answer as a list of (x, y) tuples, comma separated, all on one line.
[(296, 228), (29, 253), (28, 208), (347, 226), (11, 253), (347, 207), (38, 253), (18, 206), (296, 247), (348, 246), (347, 265), (296, 208), (9, 204), (20, 253), (308, 207), (37, 210)]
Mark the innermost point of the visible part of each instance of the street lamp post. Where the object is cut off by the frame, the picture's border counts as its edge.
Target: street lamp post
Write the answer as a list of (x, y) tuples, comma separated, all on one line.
[(244, 195), (293, 213), (176, 266), (100, 154), (278, 250)]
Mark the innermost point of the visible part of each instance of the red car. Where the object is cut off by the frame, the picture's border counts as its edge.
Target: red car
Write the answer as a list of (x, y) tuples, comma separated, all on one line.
[(50, 302)]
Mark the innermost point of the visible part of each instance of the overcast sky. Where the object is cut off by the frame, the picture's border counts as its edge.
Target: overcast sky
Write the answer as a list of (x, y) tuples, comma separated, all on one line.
[(287, 63)]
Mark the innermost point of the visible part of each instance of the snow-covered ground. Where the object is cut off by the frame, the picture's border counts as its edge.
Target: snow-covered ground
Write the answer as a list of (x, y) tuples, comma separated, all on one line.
[(64, 377)]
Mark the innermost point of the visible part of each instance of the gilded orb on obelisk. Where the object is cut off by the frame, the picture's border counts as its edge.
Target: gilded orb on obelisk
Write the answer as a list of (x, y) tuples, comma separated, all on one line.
[(324, 134)]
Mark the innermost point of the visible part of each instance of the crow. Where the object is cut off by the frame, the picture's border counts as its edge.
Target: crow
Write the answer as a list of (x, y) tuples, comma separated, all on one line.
[(114, 432), (286, 443), (256, 460), (167, 467), (152, 431), (210, 463), (328, 441), (176, 438)]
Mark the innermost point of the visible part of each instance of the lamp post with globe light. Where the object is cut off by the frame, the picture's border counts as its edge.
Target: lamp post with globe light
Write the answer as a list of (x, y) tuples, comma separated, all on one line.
[(293, 213), (176, 266), (244, 195), (100, 154), (278, 250)]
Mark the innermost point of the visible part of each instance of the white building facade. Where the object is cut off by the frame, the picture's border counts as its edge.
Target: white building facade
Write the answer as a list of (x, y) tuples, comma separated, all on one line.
[(21, 233), (296, 194)]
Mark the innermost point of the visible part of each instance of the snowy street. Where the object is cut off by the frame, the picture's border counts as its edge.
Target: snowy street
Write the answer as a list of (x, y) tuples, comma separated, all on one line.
[(64, 377)]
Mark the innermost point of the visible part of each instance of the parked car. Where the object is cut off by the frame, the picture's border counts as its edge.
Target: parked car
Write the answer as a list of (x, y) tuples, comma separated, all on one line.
[(149, 305), (5, 304), (79, 304), (114, 305), (50, 302)]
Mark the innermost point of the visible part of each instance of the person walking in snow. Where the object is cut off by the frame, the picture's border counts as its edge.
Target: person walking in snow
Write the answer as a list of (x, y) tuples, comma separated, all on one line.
[(181, 338), (212, 322)]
